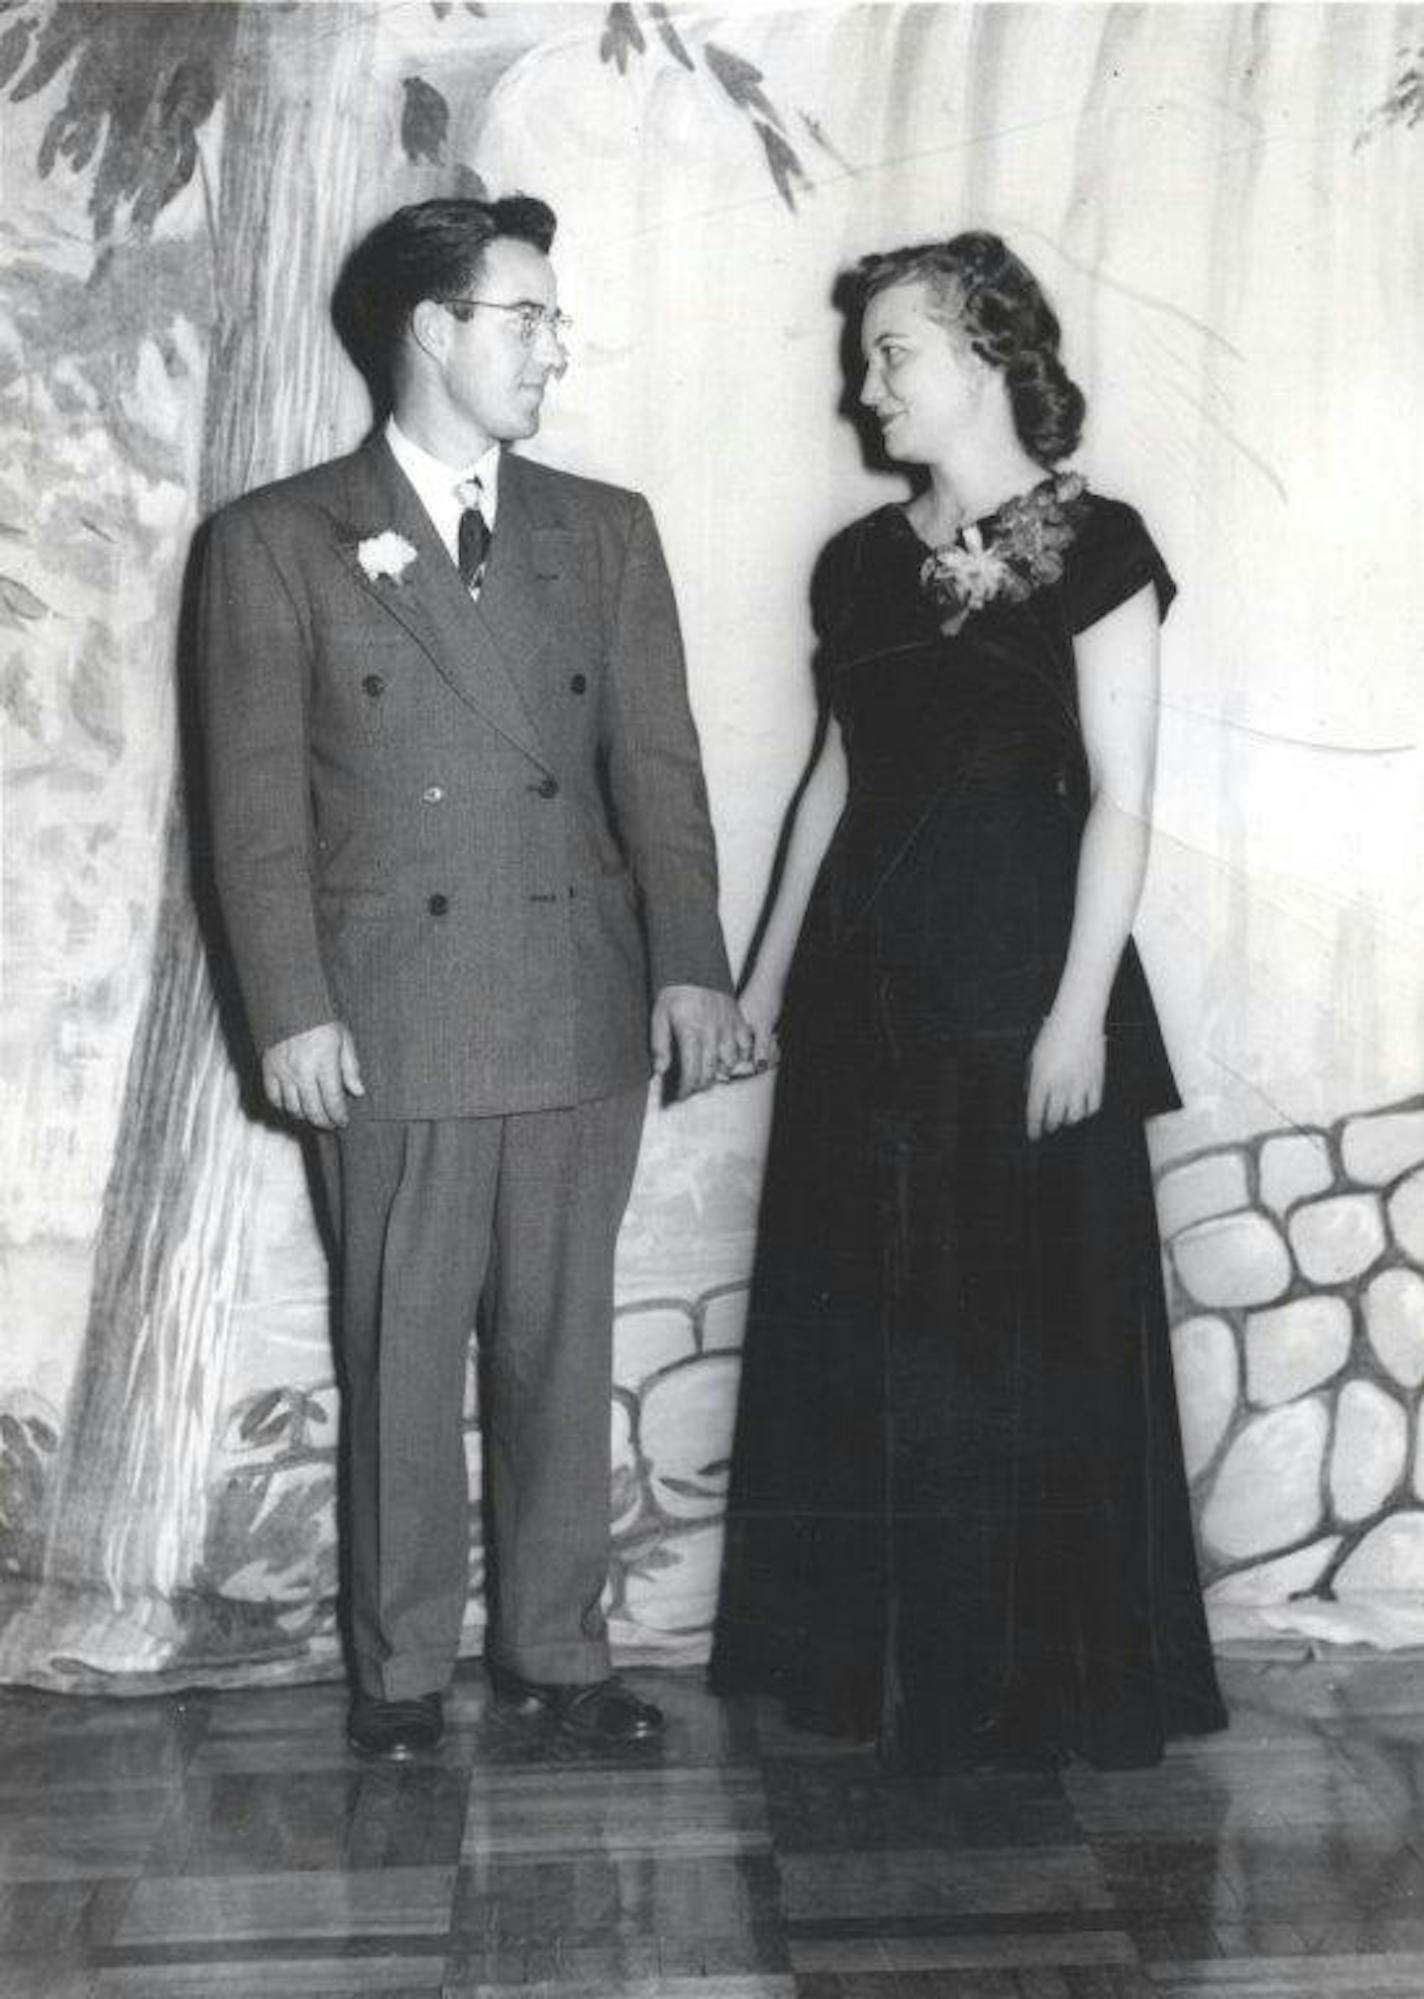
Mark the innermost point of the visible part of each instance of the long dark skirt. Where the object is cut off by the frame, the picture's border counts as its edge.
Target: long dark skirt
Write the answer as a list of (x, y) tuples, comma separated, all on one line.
[(958, 1518)]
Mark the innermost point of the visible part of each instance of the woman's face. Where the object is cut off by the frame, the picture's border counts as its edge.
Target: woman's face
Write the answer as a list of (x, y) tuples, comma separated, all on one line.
[(923, 381)]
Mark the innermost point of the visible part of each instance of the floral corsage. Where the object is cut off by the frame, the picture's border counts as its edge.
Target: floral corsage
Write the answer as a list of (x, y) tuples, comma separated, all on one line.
[(1027, 540), (385, 555)]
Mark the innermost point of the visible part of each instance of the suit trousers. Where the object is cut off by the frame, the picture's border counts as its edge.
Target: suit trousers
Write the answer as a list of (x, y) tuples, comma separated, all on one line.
[(512, 1221)]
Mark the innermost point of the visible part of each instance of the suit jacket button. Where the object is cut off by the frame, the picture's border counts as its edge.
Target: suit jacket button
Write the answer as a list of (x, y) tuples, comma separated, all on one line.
[(374, 685), (579, 683), (438, 904), (548, 787)]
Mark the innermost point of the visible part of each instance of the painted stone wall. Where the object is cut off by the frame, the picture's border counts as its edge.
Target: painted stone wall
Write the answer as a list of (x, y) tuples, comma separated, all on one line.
[(268, 1586), (1295, 1271), (1296, 1265)]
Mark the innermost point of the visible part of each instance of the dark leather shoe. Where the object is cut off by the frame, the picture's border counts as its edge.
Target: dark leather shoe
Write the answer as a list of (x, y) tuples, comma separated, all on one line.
[(394, 1731), (604, 1712)]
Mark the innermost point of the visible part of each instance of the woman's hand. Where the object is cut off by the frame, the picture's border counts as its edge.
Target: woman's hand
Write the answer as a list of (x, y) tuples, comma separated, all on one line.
[(761, 1009), (1065, 1074)]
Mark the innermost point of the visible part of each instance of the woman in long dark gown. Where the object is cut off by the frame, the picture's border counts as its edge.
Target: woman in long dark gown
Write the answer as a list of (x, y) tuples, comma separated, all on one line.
[(958, 1518)]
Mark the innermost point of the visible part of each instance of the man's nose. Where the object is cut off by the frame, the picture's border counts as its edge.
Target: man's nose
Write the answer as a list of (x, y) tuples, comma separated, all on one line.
[(550, 347)]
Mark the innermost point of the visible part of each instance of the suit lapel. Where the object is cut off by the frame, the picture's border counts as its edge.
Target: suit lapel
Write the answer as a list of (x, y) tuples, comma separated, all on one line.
[(477, 648), (511, 607)]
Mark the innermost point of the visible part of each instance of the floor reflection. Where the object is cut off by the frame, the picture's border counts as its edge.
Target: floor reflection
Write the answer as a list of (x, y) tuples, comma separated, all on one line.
[(227, 1845)]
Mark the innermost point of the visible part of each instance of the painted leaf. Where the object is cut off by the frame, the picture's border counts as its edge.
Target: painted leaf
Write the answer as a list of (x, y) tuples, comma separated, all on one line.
[(672, 40), (425, 121), (741, 80), (313, 1409), (621, 37), (784, 163), (18, 603), (134, 100), (59, 38), (1405, 102), (267, 1417), (14, 47)]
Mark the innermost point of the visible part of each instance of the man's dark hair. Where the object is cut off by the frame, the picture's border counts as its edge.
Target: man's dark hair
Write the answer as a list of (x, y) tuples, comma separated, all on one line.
[(431, 249)]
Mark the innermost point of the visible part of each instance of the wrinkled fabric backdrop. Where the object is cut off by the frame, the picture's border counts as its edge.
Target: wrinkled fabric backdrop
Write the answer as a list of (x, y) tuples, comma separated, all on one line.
[(1227, 205)]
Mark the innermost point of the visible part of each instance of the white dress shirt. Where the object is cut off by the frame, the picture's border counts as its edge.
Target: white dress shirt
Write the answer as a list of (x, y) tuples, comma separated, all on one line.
[(436, 482)]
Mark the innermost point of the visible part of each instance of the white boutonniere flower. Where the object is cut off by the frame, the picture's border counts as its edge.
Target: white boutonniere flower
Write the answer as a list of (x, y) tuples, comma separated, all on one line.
[(385, 555)]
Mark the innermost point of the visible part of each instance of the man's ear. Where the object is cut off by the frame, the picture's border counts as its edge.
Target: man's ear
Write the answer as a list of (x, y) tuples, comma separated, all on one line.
[(430, 328)]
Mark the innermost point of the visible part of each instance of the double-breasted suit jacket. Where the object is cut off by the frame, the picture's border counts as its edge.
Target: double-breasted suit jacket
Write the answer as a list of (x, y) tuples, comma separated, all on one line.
[(476, 832)]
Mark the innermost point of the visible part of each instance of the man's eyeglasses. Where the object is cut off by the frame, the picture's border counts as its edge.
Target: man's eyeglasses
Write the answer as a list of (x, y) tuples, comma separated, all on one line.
[(530, 317)]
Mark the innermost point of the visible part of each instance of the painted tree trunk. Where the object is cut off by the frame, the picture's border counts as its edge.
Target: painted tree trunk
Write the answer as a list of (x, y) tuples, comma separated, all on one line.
[(129, 1497)]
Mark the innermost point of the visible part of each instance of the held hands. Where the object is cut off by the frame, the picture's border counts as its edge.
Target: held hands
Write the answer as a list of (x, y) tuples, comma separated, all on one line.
[(761, 1009), (703, 1032), (309, 1075), (1065, 1075)]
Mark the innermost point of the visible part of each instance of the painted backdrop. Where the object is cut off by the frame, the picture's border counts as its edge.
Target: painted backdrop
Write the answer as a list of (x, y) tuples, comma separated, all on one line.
[(1225, 203)]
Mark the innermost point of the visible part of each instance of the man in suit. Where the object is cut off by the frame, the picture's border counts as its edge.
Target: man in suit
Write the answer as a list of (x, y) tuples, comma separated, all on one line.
[(466, 867)]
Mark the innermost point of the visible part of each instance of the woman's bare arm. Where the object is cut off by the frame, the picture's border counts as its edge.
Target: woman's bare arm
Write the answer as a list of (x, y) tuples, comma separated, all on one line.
[(1117, 674)]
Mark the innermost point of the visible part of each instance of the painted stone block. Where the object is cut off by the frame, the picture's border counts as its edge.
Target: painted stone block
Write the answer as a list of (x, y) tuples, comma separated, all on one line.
[(1371, 1441), (1267, 1492), (1390, 1558), (1235, 1259), (1281, 1577), (675, 1590), (724, 1321), (1294, 1348), (626, 1495), (1378, 1149), (1294, 1166), (1204, 1358), (686, 1431), (1213, 1185), (1406, 1216), (648, 1338), (1337, 1239), (1394, 1319)]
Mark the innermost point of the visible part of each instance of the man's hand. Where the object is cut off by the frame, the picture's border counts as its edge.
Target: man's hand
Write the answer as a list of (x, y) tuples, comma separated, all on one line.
[(310, 1075), (706, 1033)]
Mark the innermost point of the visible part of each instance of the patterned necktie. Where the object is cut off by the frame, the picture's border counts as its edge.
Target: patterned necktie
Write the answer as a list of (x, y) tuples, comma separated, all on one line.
[(474, 534)]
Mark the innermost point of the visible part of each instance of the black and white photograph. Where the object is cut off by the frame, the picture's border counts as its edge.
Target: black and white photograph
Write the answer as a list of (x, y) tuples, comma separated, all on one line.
[(711, 999)]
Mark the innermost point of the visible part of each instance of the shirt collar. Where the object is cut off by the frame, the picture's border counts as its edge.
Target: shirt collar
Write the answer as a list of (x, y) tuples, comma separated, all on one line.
[(435, 481)]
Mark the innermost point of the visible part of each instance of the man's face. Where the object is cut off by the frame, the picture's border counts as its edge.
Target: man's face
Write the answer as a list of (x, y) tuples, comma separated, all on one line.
[(492, 376)]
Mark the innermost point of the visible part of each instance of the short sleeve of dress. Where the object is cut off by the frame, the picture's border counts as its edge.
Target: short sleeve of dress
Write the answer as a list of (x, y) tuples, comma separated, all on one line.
[(1112, 556), (833, 586)]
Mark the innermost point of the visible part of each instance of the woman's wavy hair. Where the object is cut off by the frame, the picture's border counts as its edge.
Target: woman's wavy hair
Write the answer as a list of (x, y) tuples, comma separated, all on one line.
[(981, 290)]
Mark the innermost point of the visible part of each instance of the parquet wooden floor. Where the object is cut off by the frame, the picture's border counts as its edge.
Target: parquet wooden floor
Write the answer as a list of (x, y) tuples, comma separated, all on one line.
[(218, 1846)]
